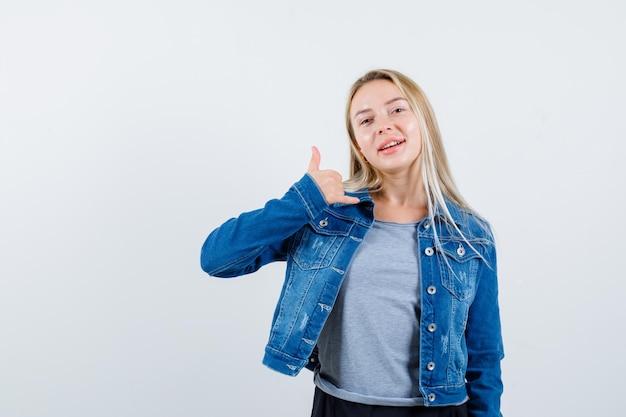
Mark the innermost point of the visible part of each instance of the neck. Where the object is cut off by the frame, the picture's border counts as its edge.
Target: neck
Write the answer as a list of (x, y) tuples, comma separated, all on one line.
[(401, 200)]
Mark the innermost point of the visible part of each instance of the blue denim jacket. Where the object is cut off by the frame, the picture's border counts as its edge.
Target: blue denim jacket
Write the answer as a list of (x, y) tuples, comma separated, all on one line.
[(460, 346)]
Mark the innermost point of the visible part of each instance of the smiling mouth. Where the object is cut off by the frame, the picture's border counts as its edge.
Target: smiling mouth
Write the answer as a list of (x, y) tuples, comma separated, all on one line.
[(392, 144)]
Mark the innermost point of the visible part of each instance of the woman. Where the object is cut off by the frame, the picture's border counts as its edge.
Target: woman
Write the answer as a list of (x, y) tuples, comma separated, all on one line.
[(390, 294)]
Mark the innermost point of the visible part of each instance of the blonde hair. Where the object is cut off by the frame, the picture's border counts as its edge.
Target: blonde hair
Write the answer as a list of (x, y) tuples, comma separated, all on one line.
[(436, 175), (435, 169)]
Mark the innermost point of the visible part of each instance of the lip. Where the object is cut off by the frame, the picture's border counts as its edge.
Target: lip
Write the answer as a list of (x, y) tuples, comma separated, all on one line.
[(381, 147)]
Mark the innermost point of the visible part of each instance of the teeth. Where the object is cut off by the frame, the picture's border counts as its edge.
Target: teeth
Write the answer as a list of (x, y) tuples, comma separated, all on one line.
[(390, 144)]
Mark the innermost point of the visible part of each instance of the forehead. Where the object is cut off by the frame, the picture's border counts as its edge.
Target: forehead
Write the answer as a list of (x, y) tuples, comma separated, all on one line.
[(374, 93)]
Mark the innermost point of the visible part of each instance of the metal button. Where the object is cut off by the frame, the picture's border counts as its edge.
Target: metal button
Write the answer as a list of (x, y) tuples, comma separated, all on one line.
[(431, 397), (432, 327), (460, 250), (429, 251), (426, 224), (324, 222), (430, 366), (431, 290)]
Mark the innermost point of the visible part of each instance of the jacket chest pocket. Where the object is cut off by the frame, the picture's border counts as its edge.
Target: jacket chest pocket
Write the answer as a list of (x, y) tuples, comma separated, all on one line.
[(317, 243), (459, 268)]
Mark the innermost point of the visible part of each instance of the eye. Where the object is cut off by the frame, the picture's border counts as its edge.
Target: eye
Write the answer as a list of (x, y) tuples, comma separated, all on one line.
[(365, 121), (398, 110)]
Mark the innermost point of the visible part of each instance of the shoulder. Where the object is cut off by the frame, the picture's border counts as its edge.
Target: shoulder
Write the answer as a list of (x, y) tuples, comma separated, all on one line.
[(472, 224)]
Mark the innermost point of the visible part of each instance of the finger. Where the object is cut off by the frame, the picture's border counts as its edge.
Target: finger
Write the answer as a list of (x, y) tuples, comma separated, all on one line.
[(314, 165), (349, 200)]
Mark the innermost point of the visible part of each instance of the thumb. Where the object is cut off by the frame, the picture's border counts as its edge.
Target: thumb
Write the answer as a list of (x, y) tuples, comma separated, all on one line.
[(314, 165)]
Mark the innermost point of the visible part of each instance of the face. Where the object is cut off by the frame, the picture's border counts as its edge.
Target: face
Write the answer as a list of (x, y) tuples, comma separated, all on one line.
[(386, 129)]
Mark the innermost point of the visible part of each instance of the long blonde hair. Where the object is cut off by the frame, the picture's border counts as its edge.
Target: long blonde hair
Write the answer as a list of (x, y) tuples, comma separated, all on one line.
[(436, 175)]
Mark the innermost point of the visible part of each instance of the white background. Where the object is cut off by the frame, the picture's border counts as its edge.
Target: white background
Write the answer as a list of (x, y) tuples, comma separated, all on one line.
[(129, 129)]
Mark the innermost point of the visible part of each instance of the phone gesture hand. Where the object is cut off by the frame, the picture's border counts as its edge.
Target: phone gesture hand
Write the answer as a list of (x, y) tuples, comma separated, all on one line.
[(328, 181)]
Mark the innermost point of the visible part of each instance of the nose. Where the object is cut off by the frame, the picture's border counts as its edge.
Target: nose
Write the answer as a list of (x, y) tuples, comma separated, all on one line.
[(384, 124)]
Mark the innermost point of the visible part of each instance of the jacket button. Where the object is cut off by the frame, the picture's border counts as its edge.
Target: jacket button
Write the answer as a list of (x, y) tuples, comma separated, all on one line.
[(431, 290), (429, 251), (431, 397), (323, 223), (426, 224), (432, 327), (460, 250), (430, 366)]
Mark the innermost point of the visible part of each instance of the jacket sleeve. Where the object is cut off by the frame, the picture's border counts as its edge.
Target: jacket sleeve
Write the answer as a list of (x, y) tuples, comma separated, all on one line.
[(484, 343), (242, 245)]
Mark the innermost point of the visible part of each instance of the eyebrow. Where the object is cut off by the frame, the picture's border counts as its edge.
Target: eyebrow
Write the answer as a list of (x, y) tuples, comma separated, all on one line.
[(393, 100)]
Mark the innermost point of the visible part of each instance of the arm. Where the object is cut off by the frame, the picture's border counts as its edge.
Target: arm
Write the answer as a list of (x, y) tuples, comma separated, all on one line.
[(484, 344), (243, 244)]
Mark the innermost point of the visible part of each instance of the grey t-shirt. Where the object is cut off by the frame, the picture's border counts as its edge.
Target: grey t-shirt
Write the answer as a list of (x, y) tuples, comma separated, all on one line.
[(369, 347)]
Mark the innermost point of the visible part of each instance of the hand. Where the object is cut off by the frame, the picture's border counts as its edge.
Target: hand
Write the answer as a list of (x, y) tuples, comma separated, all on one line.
[(328, 181)]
